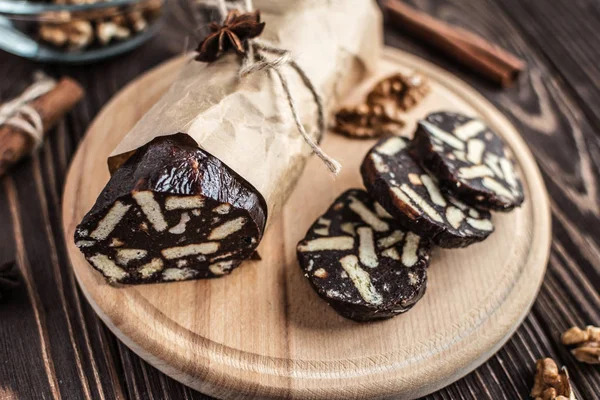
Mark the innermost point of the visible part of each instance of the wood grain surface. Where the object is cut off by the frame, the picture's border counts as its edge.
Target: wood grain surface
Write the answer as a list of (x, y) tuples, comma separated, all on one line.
[(52, 346), (263, 333)]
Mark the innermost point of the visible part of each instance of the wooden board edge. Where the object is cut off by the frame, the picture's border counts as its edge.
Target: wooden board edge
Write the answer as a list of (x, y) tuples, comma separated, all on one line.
[(207, 387)]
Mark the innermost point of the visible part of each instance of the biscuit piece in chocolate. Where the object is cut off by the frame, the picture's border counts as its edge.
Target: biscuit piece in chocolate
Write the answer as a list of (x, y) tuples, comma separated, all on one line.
[(407, 192), (360, 262), (172, 212), (469, 160)]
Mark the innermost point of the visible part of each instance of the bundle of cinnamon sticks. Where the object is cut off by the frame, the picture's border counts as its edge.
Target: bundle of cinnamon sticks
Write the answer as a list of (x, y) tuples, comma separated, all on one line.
[(16, 142)]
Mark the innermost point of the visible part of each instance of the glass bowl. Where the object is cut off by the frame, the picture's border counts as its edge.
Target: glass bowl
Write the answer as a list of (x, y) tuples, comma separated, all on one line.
[(77, 31)]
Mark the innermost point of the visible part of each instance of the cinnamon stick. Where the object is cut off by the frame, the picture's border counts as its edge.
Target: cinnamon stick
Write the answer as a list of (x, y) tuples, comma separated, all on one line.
[(472, 50), (52, 106)]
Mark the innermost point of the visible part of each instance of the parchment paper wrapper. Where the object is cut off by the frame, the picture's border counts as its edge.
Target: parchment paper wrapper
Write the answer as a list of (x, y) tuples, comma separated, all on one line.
[(247, 123)]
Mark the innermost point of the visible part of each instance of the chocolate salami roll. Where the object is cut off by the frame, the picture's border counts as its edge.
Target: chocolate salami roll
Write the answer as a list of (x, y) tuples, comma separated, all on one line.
[(407, 192), (361, 262), (179, 209), (172, 212), (469, 160)]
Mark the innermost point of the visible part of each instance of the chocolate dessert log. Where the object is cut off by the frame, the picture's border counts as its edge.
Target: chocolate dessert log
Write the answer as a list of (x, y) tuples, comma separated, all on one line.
[(469, 160), (361, 262), (252, 152), (407, 192), (172, 212)]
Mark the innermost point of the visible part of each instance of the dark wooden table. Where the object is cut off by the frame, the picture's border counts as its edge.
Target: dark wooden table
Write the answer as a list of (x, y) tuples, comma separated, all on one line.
[(52, 346)]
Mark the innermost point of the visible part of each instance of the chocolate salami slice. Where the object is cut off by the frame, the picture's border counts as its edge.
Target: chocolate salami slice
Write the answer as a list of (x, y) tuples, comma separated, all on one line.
[(359, 260), (172, 212), (469, 160), (407, 192)]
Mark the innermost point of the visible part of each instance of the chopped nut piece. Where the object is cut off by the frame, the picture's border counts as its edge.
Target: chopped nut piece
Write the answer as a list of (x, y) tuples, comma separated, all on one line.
[(116, 242), (587, 341), (550, 383), (414, 178), (321, 273)]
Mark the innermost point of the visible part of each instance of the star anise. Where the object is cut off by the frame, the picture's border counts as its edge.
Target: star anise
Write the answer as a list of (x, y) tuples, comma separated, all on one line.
[(9, 278), (236, 29)]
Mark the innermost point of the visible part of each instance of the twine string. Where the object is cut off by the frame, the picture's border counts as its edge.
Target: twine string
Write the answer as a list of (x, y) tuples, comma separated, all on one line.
[(321, 123), (19, 114), (255, 61)]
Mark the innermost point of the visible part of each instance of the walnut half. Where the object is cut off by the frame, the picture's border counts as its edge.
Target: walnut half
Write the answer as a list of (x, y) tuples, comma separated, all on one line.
[(381, 113), (366, 121), (586, 342), (402, 91), (550, 383)]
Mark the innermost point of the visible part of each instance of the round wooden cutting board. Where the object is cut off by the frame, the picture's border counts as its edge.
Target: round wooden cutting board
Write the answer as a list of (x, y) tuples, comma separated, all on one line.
[(263, 333)]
